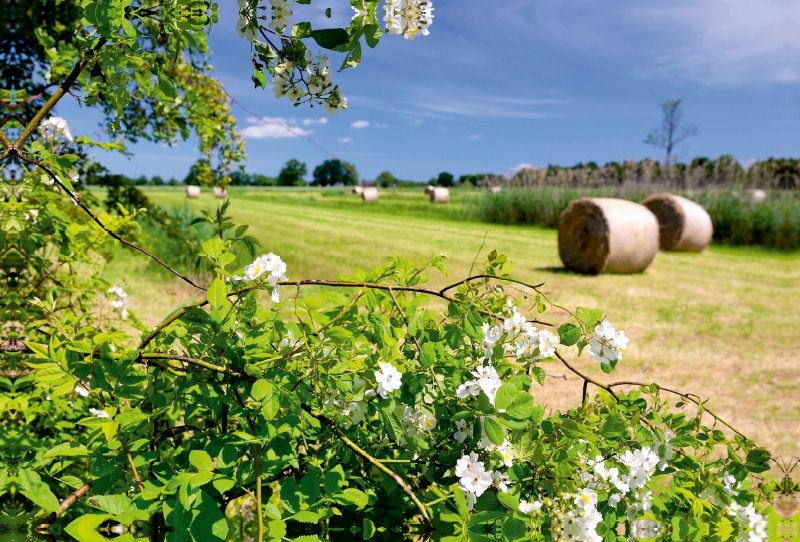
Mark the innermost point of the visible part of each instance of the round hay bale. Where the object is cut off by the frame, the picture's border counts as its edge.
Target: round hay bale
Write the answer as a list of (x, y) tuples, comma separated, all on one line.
[(496, 189), (440, 195), (755, 196), (357, 190), (370, 193), (683, 224), (605, 235), (219, 193), (429, 189), (192, 191)]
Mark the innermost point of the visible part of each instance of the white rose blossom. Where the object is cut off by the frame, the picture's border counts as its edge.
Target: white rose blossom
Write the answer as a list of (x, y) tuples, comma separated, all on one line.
[(408, 18), (388, 379)]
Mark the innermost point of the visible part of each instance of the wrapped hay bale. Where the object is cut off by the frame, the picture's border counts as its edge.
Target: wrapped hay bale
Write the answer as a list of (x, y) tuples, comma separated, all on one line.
[(440, 195), (755, 196), (496, 189), (684, 225), (369, 193), (605, 235), (357, 190), (219, 193), (429, 189), (192, 191)]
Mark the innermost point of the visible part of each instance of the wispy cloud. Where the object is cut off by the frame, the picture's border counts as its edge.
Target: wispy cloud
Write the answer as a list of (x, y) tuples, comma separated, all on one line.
[(360, 124), (711, 42), (273, 128), (520, 167), (475, 136), (345, 140), (308, 122)]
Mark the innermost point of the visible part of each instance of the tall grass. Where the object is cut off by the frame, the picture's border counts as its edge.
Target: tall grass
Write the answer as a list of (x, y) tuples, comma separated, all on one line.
[(773, 223)]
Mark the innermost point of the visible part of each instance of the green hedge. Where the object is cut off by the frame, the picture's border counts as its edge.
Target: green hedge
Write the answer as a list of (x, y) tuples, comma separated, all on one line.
[(773, 223)]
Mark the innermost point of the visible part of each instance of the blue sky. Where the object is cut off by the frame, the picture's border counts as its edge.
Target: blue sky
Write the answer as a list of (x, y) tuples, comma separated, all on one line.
[(503, 83)]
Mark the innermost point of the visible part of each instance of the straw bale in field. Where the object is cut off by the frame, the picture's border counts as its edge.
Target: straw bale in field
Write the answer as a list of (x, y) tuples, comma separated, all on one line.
[(370, 193), (684, 225), (219, 193), (440, 195), (429, 189), (755, 196), (192, 191), (357, 190), (605, 235), (496, 189)]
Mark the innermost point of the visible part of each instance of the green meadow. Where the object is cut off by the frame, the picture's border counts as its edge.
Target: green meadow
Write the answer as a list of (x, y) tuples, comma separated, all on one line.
[(721, 324)]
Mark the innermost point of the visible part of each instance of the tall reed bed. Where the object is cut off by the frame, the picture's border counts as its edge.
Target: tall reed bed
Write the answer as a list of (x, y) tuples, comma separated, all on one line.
[(773, 223)]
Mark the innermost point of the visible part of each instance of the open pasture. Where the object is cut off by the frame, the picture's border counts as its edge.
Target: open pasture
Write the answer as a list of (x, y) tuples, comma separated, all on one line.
[(722, 324)]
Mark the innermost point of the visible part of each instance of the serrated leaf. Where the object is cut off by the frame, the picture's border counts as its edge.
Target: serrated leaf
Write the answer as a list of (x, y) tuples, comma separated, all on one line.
[(306, 516), (569, 334), (494, 431), (217, 294), (201, 460)]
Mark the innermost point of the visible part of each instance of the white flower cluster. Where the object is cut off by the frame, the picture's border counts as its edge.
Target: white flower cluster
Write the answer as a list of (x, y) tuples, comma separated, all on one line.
[(475, 479), (248, 26), (522, 338), (316, 84), (580, 523), (266, 264), (55, 128), (32, 215), (119, 300), (607, 344), (486, 380), (753, 524), (408, 18), (82, 389), (99, 413)]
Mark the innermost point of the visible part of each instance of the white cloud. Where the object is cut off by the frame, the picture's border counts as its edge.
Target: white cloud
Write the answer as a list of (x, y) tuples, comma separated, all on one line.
[(360, 124), (475, 136), (380, 125), (307, 122), (273, 128), (345, 140)]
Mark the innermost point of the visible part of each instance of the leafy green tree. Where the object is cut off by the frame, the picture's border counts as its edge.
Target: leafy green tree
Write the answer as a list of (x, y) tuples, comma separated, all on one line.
[(335, 172), (200, 174), (385, 179), (293, 174), (445, 179)]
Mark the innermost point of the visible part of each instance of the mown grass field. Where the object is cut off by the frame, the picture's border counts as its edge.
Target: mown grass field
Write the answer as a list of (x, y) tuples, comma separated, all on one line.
[(722, 324)]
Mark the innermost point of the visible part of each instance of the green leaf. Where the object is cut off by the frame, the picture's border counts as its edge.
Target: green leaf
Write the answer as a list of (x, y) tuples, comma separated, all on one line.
[(354, 496), (166, 86), (201, 460), (494, 431), (67, 450), (392, 425), (277, 529), (334, 480), (217, 293), (32, 487), (85, 527), (291, 496), (372, 33), (613, 426), (259, 78), (427, 355), (208, 524), (368, 529), (330, 37), (538, 374), (570, 334), (306, 516), (514, 529)]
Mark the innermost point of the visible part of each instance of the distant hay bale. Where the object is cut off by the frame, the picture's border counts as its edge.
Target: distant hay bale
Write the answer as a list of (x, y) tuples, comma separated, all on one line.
[(683, 224), (496, 189), (429, 189), (357, 190), (605, 235), (440, 195), (370, 193), (755, 196), (219, 193), (192, 191)]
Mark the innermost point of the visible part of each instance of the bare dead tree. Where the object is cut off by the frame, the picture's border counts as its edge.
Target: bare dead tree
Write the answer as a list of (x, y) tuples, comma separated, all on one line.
[(671, 132)]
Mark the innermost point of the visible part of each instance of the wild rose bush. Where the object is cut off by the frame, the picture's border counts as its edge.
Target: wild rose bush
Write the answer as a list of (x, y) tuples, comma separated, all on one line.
[(369, 406)]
